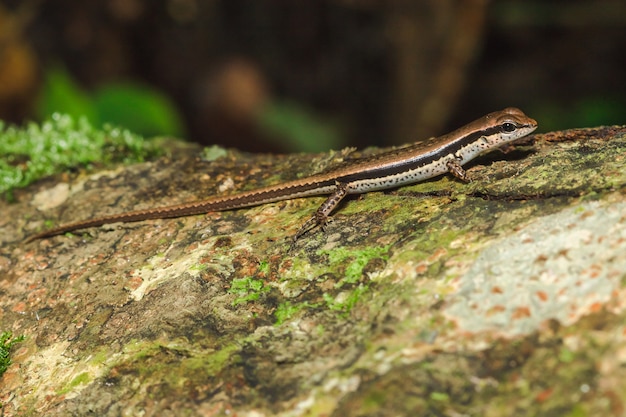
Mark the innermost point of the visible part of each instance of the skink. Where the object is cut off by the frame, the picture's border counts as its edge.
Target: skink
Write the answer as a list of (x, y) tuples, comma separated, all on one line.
[(406, 165)]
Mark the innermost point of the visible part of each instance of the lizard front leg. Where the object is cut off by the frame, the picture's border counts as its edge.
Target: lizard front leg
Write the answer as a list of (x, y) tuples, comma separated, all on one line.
[(322, 214), (455, 168)]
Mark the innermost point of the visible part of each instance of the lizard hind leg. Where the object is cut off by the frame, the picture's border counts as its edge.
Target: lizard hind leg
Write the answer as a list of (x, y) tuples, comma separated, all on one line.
[(321, 217)]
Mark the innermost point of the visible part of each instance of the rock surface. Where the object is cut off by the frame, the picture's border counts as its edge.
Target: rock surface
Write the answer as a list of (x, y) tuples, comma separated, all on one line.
[(500, 297)]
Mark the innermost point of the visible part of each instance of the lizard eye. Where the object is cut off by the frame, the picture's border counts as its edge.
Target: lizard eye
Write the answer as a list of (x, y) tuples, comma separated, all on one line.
[(508, 127)]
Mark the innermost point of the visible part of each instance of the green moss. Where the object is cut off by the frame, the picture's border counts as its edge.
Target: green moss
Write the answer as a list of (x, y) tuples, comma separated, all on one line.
[(199, 267), (39, 150), (214, 362), (80, 379), (100, 356), (439, 396), (345, 302), (247, 289), (566, 355), (213, 153), (6, 343), (577, 411), (154, 361), (287, 310), (356, 261), (264, 267)]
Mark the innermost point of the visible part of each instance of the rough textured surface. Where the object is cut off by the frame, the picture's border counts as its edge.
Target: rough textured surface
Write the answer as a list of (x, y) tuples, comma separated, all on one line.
[(495, 298)]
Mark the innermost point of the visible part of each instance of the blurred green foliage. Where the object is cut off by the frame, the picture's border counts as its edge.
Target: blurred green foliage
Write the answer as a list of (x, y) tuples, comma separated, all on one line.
[(37, 150), (138, 108), (587, 112), (298, 129)]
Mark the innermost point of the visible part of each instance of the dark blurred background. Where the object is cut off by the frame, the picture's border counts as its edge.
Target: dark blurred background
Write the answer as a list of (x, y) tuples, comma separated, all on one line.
[(286, 75)]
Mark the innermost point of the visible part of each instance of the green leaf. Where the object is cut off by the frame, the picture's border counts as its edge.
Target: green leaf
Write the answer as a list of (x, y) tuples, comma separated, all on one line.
[(60, 94), (139, 109), (297, 126)]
